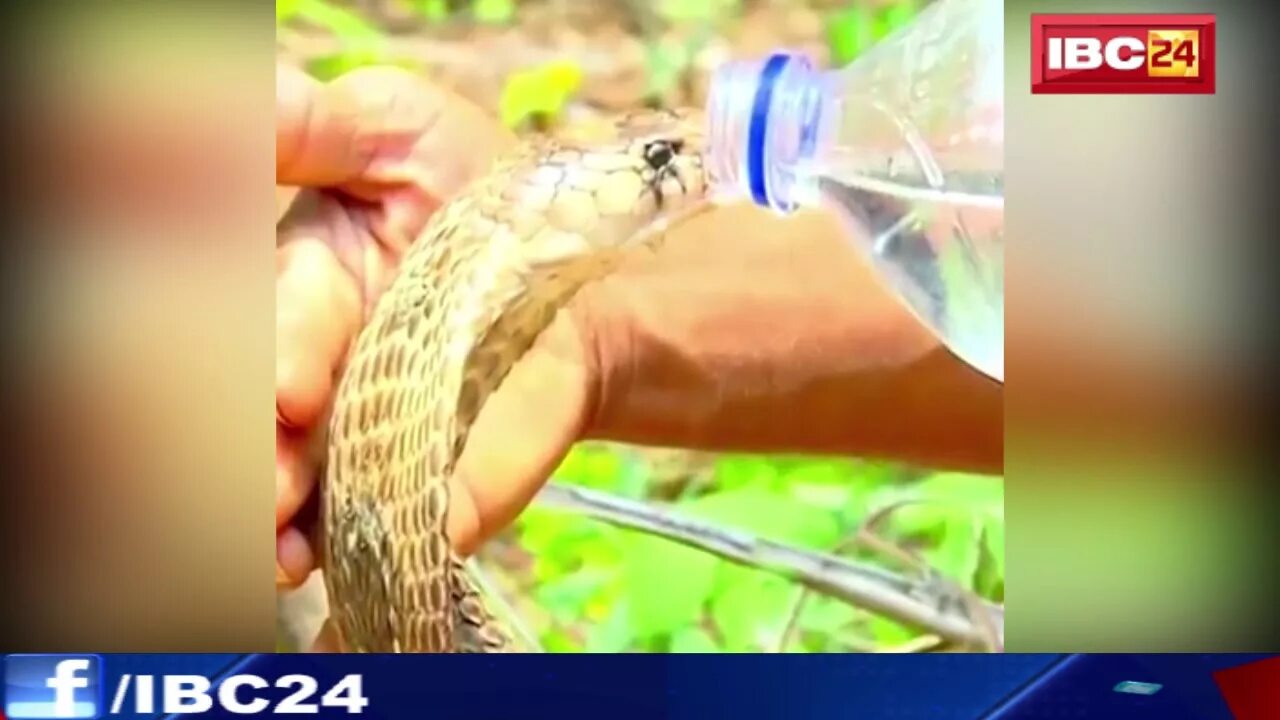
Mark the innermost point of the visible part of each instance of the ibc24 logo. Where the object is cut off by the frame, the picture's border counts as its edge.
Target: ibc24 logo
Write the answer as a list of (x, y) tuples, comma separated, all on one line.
[(1113, 54)]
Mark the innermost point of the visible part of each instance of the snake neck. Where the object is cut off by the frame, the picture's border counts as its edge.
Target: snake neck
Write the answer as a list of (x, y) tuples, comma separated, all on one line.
[(469, 299), (453, 325)]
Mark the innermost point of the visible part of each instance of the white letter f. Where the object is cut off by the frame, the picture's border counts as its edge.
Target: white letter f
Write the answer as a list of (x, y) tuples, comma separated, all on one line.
[(64, 683)]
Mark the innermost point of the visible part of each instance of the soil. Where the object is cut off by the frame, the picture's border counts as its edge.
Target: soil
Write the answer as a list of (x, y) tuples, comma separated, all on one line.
[(612, 41)]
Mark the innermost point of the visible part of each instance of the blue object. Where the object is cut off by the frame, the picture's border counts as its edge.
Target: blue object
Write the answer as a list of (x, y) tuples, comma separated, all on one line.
[(759, 127), (643, 687), (52, 686)]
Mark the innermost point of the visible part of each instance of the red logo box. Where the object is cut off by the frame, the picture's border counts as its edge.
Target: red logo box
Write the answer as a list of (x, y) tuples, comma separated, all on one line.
[(1123, 54)]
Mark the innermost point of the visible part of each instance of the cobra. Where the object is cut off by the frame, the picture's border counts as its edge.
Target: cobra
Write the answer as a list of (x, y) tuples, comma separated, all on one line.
[(472, 294)]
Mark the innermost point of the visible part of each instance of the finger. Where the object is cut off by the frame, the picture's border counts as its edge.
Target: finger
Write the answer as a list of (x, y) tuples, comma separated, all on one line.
[(377, 128), (521, 436), (294, 559), (295, 473), (296, 97), (318, 311)]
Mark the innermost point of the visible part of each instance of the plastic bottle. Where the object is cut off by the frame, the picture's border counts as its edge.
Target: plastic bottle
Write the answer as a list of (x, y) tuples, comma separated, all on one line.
[(906, 144)]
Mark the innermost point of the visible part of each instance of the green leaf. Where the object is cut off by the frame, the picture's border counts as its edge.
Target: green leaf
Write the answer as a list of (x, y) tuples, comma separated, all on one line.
[(363, 44), (693, 640), (329, 67), (286, 9), (868, 481), (826, 615), (820, 472), (434, 10), (669, 584), (926, 520), (562, 76), (542, 90), (827, 497), (348, 26), (558, 641), (614, 635), (984, 493), (774, 515), (752, 608), (990, 581), (893, 18), (566, 596), (493, 11), (633, 482), (600, 548), (888, 633), (958, 554), (666, 62), (993, 539), (836, 486), (542, 530), (736, 471), (590, 467), (848, 34), (937, 500), (666, 583), (518, 97), (907, 516)]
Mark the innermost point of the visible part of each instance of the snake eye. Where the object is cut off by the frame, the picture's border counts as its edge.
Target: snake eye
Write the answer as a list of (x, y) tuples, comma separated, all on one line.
[(659, 153)]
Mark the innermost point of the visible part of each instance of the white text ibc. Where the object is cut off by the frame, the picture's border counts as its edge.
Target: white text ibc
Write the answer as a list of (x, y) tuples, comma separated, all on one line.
[(1090, 53)]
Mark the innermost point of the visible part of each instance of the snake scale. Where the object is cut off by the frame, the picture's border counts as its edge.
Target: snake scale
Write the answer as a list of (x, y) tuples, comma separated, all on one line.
[(473, 292)]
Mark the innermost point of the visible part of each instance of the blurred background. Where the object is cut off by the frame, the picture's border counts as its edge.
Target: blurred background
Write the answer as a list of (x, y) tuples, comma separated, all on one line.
[(580, 584), (545, 62)]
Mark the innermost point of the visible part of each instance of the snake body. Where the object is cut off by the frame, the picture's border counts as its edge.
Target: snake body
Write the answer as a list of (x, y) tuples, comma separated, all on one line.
[(473, 292)]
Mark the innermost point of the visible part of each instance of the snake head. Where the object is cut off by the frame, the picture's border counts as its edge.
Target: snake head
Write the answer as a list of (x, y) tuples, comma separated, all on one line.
[(652, 162), (610, 189), (670, 143)]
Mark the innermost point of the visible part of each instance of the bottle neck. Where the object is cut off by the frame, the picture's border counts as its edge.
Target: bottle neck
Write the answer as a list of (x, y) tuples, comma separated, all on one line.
[(764, 122)]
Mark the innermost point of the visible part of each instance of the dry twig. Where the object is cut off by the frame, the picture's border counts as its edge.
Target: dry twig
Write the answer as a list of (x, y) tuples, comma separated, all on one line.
[(913, 602)]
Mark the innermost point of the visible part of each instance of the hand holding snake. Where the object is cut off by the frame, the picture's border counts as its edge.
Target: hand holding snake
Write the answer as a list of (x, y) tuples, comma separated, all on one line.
[(578, 378)]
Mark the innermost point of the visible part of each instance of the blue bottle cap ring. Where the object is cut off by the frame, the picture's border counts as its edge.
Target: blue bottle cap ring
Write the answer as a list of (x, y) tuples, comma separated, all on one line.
[(758, 130)]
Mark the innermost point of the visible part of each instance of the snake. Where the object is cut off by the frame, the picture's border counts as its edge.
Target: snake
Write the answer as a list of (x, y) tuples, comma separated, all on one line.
[(474, 290)]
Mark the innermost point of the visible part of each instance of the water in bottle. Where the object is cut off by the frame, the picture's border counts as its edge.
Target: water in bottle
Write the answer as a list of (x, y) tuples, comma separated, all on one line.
[(906, 145)]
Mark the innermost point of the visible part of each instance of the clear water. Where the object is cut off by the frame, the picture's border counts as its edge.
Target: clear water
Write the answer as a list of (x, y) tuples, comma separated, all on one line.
[(940, 251), (907, 144)]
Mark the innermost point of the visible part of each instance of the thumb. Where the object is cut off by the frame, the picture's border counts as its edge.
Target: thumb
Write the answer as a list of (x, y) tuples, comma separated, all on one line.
[(377, 128)]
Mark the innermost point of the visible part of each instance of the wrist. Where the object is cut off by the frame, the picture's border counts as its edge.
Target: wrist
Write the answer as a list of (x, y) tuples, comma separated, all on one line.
[(751, 333)]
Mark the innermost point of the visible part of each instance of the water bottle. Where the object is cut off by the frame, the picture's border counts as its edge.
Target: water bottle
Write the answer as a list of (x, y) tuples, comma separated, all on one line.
[(906, 145)]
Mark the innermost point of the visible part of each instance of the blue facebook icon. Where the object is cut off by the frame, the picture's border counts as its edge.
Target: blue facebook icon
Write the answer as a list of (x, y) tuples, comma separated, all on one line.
[(52, 686)]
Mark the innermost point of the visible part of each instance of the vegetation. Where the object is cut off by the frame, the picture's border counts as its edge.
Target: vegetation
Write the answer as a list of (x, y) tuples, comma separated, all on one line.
[(580, 584)]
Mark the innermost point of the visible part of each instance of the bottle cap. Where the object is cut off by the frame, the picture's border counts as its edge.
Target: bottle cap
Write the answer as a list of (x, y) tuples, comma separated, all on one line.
[(762, 116)]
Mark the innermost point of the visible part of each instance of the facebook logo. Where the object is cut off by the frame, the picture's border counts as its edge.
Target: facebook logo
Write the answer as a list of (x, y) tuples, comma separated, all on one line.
[(52, 686)]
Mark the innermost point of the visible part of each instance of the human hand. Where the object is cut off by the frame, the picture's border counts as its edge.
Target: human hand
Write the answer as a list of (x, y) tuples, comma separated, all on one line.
[(747, 332), (377, 151)]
